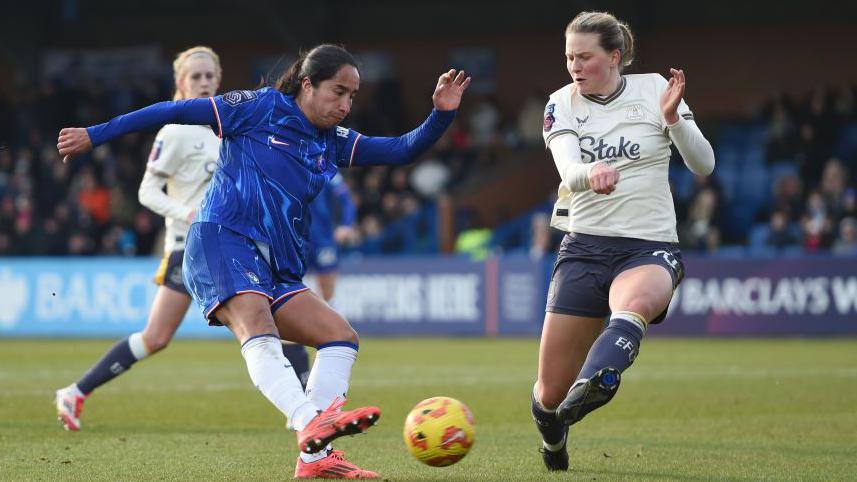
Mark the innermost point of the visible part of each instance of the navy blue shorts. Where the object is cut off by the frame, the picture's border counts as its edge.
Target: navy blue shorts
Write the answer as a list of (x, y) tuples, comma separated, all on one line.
[(323, 257), (169, 272), (588, 264), (220, 263)]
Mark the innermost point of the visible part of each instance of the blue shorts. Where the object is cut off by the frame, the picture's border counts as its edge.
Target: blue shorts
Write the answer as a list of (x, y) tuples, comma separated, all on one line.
[(588, 264), (323, 257), (220, 263)]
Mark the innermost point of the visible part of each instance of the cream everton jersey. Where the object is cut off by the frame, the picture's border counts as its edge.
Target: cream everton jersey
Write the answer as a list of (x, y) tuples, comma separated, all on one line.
[(183, 158), (627, 130)]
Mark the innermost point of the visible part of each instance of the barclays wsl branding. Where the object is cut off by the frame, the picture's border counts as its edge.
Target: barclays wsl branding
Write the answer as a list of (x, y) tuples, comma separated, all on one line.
[(42, 296), (816, 296)]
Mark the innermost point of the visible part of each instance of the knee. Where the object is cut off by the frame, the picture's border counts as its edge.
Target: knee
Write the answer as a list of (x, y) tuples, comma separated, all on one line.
[(348, 334), (646, 306), (156, 342)]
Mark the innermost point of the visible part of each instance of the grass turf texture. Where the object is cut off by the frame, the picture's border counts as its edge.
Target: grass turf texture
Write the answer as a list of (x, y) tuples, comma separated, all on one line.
[(688, 410)]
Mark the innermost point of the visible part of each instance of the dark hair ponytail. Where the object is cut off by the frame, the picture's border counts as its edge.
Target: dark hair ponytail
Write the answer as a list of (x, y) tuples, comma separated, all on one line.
[(319, 64)]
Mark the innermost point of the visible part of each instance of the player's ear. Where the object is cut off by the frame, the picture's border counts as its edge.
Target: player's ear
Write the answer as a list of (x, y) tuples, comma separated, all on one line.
[(306, 84), (616, 58)]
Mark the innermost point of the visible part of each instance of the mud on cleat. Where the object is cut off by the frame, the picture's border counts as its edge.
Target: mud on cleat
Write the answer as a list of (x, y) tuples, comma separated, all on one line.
[(587, 395), (333, 423)]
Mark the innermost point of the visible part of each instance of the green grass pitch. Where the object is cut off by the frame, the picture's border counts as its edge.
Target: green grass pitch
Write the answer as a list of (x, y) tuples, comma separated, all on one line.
[(689, 410)]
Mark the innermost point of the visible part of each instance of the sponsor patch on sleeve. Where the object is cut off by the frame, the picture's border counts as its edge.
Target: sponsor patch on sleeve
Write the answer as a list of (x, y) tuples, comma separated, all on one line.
[(156, 150), (549, 118), (239, 97), (342, 132)]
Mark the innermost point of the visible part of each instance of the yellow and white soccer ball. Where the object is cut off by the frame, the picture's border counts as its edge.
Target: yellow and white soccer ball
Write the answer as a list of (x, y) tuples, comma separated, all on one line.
[(439, 431)]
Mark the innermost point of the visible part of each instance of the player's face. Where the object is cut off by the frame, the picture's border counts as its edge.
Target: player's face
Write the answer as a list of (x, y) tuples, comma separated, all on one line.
[(329, 102), (588, 64), (200, 77)]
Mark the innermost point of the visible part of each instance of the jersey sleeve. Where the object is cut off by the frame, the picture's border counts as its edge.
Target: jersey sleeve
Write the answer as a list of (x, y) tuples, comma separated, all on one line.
[(355, 149), (240, 110), (167, 152), (557, 119), (345, 141)]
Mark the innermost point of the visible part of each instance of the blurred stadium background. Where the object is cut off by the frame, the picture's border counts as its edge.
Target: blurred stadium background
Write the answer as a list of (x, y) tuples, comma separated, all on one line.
[(456, 244), (771, 237)]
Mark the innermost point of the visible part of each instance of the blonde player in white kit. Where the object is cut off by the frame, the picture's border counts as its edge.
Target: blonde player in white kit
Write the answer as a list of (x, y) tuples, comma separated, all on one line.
[(183, 159), (609, 135)]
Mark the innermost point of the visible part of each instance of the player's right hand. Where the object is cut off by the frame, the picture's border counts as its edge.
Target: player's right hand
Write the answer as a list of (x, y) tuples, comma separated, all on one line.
[(603, 178), (73, 141)]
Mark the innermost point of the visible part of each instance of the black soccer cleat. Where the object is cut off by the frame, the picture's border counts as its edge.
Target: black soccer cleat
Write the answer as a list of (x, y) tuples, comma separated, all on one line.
[(586, 396), (555, 460), (554, 434)]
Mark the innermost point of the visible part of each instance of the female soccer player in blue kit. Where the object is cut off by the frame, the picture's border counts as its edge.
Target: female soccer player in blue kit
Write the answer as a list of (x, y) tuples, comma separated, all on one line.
[(280, 146)]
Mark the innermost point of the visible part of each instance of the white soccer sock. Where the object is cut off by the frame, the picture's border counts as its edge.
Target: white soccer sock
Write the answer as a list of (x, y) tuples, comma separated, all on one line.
[(328, 380), (273, 375), (138, 346), (330, 373), (310, 458)]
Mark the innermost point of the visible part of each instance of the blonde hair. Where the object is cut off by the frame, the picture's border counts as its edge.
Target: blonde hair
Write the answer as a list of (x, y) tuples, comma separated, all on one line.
[(613, 34), (181, 59)]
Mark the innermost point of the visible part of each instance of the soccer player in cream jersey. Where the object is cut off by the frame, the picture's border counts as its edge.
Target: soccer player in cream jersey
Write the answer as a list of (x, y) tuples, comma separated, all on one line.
[(609, 135), (183, 159)]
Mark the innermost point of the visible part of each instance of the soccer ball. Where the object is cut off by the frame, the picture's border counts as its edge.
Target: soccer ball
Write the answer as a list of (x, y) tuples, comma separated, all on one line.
[(439, 431)]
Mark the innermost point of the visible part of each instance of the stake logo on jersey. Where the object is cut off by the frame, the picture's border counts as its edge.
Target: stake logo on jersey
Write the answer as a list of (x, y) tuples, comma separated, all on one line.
[(592, 151), (627, 130)]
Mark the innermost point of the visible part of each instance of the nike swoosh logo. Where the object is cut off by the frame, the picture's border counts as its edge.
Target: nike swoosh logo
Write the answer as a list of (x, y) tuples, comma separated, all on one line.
[(279, 143)]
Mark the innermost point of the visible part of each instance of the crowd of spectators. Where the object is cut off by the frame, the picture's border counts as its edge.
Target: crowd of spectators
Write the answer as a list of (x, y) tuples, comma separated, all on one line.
[(808, 200), (90, 206)]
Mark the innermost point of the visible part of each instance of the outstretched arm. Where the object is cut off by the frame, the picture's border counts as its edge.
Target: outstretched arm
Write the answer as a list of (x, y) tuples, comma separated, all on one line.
[(688, 139), (77, 140), (367, 151)]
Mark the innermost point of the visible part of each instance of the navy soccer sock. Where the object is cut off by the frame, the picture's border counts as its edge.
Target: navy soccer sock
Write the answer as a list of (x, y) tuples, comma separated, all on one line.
[(553, 431), (118, 359), (299, 358), (617, 346)]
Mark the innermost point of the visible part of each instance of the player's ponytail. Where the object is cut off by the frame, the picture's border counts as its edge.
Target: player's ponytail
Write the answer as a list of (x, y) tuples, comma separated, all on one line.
[(319, 64), (628, 43), (290, 82), (612, 34)]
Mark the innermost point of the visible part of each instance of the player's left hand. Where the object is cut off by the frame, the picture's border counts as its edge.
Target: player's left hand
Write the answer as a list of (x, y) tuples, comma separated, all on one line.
[(672, 96), (73, 141), (450, 87)]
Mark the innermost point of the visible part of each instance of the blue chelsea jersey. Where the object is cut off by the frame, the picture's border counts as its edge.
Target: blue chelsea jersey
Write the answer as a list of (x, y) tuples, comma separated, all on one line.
[(273, 163)]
